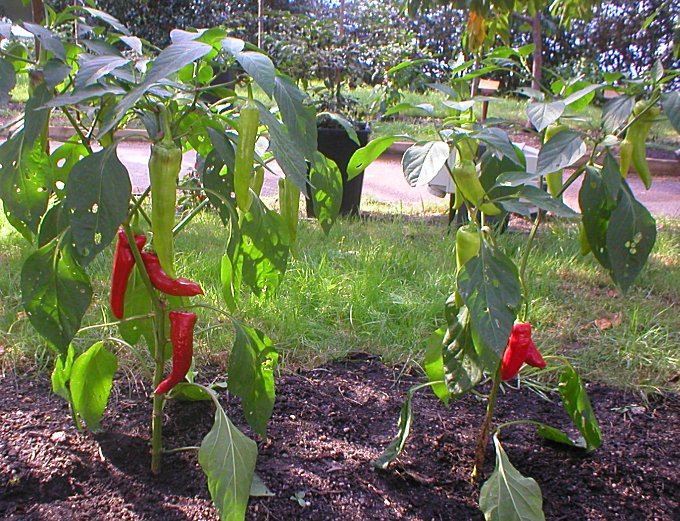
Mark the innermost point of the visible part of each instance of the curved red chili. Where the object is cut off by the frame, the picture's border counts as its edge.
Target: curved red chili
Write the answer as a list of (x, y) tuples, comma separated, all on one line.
[(534, 357), (179, 287), (182, 338), (515, 353), (123, 263)]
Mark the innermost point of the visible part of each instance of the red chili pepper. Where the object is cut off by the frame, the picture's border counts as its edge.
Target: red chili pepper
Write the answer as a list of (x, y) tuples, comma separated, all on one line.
[(534, 357), (515, 353), (123, 262), (182, 338), (179, 287)]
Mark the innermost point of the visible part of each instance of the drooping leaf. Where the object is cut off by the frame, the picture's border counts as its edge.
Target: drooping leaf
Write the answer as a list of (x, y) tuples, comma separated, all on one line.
[(297, 114), (489, 286), (670, 102), (630, 238), (8, 79), (137, 302), (264, 248), (596, 207), (509, 496), (327, 187), (577, 405), (562, 151), (55, 72), (75, 97), (260, 67), (366, 155), (616, 111), (93, 67), (91, 383), (228, 458), (56, 292), (344, 123), (423, 161), (97, 199), (251, 375), (582, 96), (545, 201), (49, 40), (543, 114), (395, 447), (553, 434), (498, 141), (463, 368), (188, 392), (107, 18)]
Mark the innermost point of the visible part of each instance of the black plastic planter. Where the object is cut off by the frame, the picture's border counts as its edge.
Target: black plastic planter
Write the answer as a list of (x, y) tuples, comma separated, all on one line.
[(335, 144)]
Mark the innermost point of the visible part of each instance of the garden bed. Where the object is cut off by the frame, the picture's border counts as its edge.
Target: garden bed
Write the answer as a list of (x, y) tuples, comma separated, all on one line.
[(328, 423)]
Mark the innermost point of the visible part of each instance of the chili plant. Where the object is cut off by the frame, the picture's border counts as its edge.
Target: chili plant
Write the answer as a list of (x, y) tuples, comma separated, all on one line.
[(71, 201), (487, 336)]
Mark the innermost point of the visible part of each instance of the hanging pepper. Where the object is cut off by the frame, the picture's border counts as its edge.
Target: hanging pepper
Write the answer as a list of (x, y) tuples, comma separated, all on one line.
[(633, 148), (468, 244), (182, 339), (249, 121), (554, 179), (465, 177), (123, 263), (165, 164), (520, 349), (161, 281)]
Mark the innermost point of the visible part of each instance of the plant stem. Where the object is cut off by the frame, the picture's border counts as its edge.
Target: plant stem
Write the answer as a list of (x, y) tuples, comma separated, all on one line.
[(483, 438)]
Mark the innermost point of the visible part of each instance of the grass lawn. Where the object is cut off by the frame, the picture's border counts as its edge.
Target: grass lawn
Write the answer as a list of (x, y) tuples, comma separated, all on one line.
[(378, 285)]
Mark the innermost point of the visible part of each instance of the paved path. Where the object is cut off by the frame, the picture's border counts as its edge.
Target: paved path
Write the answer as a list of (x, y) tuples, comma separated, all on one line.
[(384, 181)]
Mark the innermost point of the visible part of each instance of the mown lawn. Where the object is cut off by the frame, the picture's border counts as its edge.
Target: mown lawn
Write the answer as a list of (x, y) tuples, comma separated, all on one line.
[(378, 285)]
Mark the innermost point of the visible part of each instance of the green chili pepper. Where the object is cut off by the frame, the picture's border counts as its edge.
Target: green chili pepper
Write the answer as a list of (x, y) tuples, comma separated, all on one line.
[(245, 153), (637, 136), (289, 206), (164, 167), (468, 245), (554, 179), (465, 177)]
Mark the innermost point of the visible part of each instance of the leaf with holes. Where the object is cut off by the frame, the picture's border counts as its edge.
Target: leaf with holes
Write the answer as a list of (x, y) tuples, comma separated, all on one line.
[(97, 199), (56, 292)]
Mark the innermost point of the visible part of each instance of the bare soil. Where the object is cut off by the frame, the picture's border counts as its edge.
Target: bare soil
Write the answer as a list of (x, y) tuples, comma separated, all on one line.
[(327, 425)]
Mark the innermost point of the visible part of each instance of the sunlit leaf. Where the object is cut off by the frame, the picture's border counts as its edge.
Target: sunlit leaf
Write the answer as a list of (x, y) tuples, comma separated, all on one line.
[(577, 405)]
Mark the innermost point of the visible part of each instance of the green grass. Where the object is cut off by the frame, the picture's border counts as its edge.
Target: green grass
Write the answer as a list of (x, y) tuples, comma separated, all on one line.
[(378, 285)]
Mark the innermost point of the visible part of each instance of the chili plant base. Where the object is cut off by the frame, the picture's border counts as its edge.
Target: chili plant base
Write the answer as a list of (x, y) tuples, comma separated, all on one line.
[(327, 424)]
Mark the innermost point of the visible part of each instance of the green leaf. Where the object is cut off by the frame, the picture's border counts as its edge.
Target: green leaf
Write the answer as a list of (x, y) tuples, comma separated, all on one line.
[(423, 161), (8, 80), (581, 98), (260, 67), (56, 292), (366, 155), (91, 383), (97, 200), (509, 496), (463, 368), (434, 365), (228, 458), (49, 40), (670, 102), (288, 155), (62, 374), (137, 302), (616, 111), (395, 447), (327, 187), (107, 18), (93, 68), (264, 248), (215, 178), (251, 375), (543, 114), (343, 122), (577, 405), (297, 114), (498, 141), (489, 286), (188, 392), (78, 96), (551, 433), (630, 238), (545, 201), (562, 151), (596, 207), (55, 72)]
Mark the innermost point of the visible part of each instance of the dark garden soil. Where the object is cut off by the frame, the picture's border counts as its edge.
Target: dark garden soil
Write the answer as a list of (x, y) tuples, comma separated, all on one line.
[(327, 425)]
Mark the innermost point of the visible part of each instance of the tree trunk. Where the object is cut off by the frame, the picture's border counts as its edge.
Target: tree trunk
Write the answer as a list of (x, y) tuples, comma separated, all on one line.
[(537, 37)]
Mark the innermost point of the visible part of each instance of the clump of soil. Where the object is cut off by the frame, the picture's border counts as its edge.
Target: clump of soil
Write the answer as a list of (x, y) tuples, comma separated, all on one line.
[(327, 425)]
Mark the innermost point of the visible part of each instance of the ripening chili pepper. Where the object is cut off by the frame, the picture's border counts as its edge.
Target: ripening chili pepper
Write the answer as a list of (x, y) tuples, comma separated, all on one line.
[(123, 263), (637, 135), (534, 357), (161, 281), (515, 353), (182, 339), (249, 121), (465, 177), (554, 179), (164, 167)]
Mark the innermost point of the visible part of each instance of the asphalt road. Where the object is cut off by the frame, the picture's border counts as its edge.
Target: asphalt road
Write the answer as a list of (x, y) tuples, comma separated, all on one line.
[(384, 181)]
